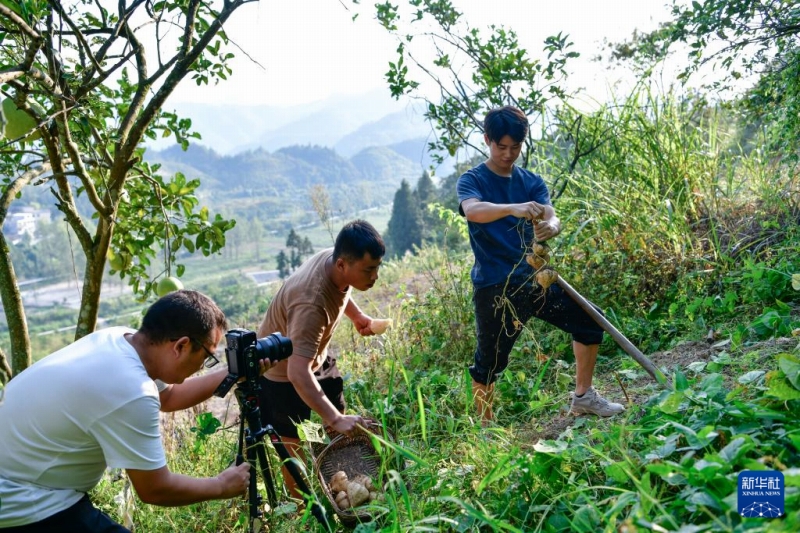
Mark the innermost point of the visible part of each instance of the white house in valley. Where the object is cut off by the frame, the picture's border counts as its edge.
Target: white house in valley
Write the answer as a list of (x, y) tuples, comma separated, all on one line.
[(22, 221)]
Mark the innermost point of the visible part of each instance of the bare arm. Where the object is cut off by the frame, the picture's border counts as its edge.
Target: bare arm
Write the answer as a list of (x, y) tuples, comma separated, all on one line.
[(358, 318), (547, 224), (307, 387), (192, 391), (197, 389), (164, 488)]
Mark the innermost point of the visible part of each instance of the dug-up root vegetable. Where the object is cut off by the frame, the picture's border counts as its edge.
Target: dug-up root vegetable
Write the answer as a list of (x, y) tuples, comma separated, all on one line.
[(535, 261), (352, 493), (542, 250), (546, 277), (380, 325)]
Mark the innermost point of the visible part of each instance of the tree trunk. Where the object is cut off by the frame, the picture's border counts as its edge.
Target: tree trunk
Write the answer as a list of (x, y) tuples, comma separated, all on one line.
[(15, 316), (5, 372), (93, 280)]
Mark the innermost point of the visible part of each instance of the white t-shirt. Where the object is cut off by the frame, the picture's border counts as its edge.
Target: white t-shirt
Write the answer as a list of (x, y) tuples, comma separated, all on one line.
[(88, 406)]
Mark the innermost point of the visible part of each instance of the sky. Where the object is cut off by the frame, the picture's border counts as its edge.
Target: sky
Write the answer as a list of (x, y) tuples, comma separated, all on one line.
[(305, 51)]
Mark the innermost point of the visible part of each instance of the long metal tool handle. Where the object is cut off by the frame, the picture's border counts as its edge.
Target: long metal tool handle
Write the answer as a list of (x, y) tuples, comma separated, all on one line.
[(620, 339)]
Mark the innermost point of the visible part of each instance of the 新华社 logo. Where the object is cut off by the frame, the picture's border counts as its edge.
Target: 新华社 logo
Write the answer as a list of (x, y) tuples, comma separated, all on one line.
[(761, 494)]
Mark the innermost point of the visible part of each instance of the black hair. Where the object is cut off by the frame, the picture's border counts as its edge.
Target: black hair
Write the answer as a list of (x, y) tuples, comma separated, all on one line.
[(183, 313), (357, 238), (507, 120)]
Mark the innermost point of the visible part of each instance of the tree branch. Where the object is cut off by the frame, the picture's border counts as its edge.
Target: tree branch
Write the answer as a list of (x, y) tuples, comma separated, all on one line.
[(56, 5), (19, 22), (124, 15), (77, 163), (182, 67)]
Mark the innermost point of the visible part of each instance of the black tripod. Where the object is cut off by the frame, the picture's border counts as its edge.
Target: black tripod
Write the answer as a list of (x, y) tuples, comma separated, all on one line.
[(251, 441)]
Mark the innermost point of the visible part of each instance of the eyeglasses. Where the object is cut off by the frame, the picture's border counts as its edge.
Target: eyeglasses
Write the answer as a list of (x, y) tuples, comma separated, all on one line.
[(211, 359)]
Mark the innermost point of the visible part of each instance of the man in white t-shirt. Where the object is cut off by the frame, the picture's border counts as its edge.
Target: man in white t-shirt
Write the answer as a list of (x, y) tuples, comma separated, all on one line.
[(95, 405)]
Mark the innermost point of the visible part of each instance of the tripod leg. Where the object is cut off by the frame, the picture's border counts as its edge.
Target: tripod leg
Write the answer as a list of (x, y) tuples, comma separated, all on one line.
[(311, 499), (254, 497), (266, 473)]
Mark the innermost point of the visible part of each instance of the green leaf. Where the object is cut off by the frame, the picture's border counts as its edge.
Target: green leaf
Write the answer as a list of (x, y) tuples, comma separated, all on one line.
[(550, 447), (207, 424), (705, 499), (500, 471), (681, 383), (790, 365), (665, 450), (616, 471), (669, 472), (672, 403), (750, 377), (781, 388), (791, 477), (735, 449)]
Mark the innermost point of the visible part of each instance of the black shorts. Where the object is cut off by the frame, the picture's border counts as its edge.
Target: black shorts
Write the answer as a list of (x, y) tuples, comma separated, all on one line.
[(500, 312), (282, 407), (83, 517)]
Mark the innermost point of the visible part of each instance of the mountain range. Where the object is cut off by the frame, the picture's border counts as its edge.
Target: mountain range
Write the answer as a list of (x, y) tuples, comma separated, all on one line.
[(347, 124), (359, 148)]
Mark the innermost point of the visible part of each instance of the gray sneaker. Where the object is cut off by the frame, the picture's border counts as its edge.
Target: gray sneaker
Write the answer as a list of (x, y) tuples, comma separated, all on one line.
[(593, 404)]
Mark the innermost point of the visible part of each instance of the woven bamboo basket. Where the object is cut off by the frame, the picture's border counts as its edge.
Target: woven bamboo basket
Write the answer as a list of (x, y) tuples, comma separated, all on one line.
[(354, 455)]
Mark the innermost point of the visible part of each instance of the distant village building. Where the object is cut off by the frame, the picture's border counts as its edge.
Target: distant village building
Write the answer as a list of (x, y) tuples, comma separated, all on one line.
[(264, 277), (22, 221)]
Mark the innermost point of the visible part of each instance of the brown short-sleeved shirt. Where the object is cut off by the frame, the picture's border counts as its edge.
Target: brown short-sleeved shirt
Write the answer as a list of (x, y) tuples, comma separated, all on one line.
[(307, 309)]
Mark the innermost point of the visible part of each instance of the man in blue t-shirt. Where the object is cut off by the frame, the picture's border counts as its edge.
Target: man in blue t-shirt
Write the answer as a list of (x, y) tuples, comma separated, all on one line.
[(508, 209)]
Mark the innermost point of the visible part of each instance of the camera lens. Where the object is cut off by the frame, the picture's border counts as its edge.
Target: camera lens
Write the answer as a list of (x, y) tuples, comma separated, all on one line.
[(274, 347)]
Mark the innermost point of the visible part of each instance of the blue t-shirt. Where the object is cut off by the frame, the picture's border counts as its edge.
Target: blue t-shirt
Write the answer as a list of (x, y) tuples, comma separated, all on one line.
[(500, 246)]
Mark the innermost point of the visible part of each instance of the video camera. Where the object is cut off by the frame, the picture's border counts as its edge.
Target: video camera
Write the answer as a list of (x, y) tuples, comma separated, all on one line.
[(244, 350)]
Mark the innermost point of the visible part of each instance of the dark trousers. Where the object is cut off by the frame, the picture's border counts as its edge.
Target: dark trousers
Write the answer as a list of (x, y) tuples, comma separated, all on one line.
[(501, 311), (83, 517), (282, 408)]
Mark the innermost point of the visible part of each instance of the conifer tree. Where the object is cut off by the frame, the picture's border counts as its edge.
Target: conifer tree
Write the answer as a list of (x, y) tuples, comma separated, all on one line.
[(405, 224), (426, 190), (426, 195), (283, 265)]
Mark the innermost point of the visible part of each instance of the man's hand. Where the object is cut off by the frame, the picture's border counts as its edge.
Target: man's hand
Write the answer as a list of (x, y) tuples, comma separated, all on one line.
[(360, 320), (546, 229), (264, 365), (528, 210), (235, 480), (347, 424), (362, 323)]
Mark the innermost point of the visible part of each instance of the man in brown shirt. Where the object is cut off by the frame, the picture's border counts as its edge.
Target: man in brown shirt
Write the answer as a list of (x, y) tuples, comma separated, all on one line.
[(307, 309)]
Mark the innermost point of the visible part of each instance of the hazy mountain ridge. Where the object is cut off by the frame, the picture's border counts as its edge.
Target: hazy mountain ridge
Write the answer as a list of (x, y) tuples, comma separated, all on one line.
[(348, 123), (367, 179)]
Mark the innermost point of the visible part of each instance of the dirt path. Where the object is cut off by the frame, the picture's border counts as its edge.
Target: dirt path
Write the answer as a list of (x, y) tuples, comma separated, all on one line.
[(676, 358)]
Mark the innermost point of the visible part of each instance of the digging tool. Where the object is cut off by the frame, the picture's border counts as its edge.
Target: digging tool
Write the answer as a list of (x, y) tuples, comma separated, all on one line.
[(620, 339)]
